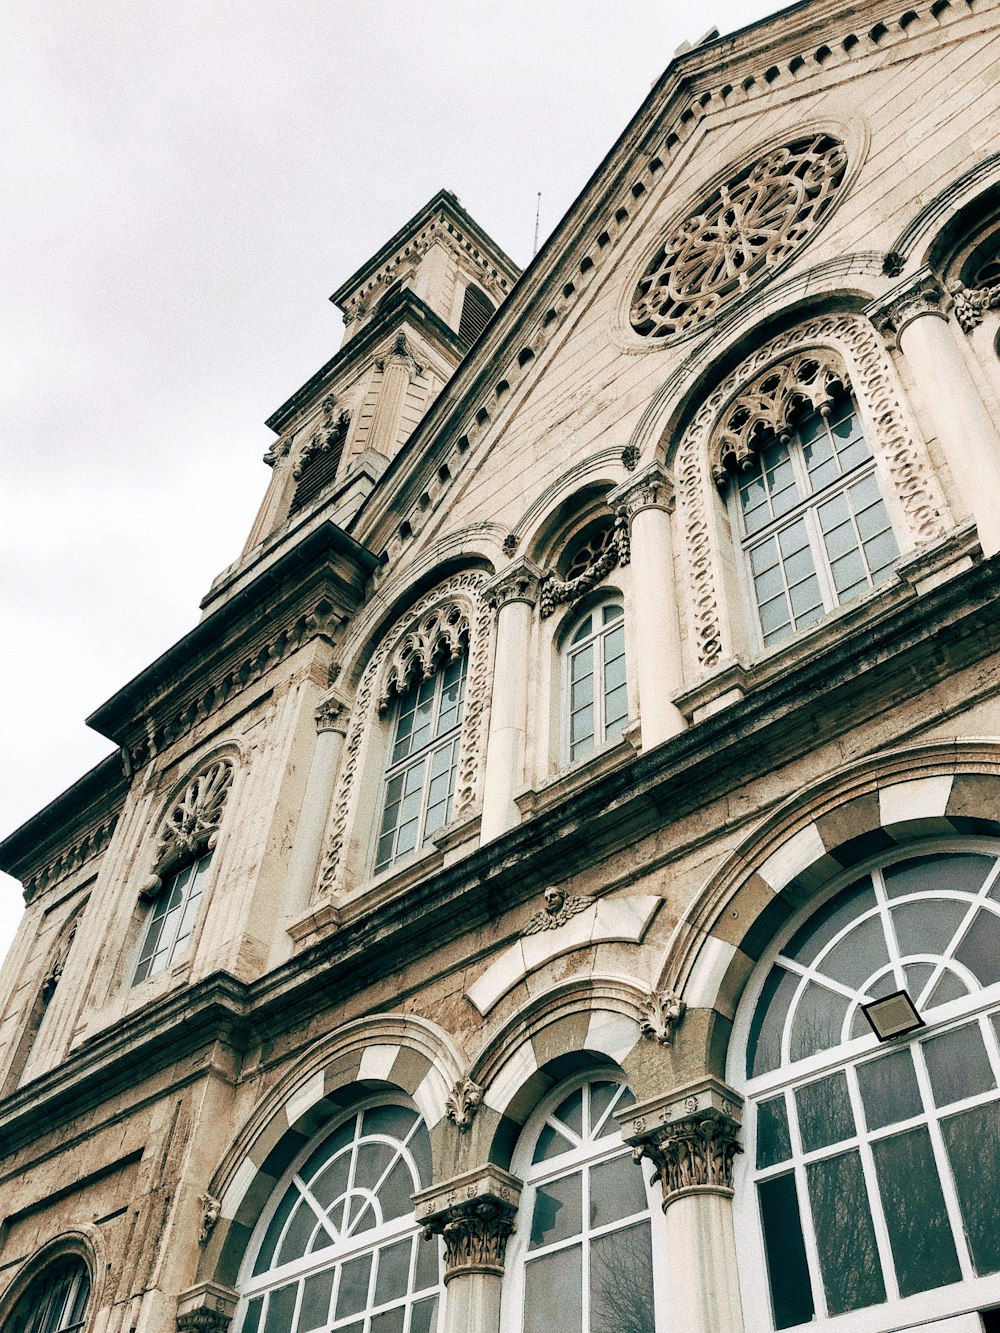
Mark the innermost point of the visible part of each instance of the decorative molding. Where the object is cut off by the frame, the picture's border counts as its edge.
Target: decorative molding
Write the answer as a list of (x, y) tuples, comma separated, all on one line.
[(206, 1308), (462, 1102), (89, 846), (463, 590), (890, 434), (328, 436), (743, 231), (652, 488), (554, 592), (210, 1210), (559, 908), (972, 303), (333, 713), (664, 1010), (691, 1137), (438, 638), (920, 295), (474, 1213), (517, 583), (192, 826)]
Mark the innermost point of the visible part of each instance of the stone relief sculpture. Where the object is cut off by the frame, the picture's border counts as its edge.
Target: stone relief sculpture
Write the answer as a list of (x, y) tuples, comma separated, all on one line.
[(559, 908), (462, 1102), (192, 826), (664, 1010), (595, 560)]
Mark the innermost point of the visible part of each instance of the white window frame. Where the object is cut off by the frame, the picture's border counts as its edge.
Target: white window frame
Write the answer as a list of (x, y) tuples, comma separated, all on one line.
[(512, 1300), (179, 948), (570, 650), (971, 1294)]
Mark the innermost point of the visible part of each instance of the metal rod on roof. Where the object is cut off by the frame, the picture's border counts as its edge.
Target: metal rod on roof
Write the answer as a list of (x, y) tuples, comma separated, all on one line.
[(538, 214)]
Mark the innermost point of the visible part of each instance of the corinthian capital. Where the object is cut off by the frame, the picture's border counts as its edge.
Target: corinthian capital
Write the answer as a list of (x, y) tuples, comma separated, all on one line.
[(206, 1308), (474, 1213), (919, 296), (691, 1137), (650, 488), (519, 582), (333, 712)]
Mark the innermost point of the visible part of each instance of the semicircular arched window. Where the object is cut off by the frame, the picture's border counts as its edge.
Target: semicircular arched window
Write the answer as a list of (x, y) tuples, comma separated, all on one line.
[(55, 1301), (338, 1248), (875, 1156)]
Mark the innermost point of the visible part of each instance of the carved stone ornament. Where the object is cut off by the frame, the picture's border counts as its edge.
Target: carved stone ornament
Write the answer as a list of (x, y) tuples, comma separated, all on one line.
[(332, 714), (510, 544), (192, 826), (462, 1102), (611, 547), (689, 1154), (559, 908), (475, 1235), (630, 457), (767, 406), (437, 639), (920, 296), (206, 1308), (664, 1010), (210, 1210), (400, 355), (746, 228), (330, 434), (652, 488), (972, 303), (518, 583), (53, 976), (278, 450)]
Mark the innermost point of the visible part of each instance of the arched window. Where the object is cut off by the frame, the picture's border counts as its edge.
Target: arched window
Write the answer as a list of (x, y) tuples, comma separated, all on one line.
[(874, 1157), (422, 762), (338, 1246), (582, 1259), (55, 1301), (595, 688)]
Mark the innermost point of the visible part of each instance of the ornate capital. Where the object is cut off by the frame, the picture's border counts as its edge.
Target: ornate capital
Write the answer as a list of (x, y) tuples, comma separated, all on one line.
[(691, 1137), (206, 1308), (333, 713), (475, 1215), (651, 488), (462, 1102), (519, 582), (919, 296), (400, 355), (664, 1010)]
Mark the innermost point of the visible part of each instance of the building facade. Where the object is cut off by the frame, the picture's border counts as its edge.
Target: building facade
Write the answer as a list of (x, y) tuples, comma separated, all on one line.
[(556, 885)]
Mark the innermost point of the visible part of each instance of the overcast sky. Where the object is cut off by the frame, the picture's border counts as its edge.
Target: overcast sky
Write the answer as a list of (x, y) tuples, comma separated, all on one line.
[(185, 183)]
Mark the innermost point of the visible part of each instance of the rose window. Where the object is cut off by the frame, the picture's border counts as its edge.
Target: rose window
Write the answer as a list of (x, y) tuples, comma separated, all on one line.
[(749, 226)]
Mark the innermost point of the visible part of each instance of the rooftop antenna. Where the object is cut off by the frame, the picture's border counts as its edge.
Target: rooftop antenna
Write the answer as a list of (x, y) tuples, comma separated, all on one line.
[(538, 214)]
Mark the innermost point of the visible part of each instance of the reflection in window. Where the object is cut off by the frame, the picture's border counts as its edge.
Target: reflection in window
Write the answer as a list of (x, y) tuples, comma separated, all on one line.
[(877, 1167), (423, 762), (597, 693), (588, 1265), (56, 1300), (815, 532), (172, 918), (341, 1250)]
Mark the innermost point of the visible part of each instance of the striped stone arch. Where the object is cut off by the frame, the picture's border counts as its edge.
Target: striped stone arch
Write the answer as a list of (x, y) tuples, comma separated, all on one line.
[(388, 1052), (575, 1025), (866, 810)]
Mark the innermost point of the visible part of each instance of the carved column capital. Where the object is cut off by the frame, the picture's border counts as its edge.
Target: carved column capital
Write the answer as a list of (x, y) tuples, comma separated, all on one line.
[(919, 296), (650, 488), (333, 713), (206, 1308), (691, 1137), (475, 1214), (519, 582)]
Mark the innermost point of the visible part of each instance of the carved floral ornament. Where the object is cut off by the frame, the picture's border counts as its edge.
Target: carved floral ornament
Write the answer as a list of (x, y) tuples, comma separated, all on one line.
[(328, 435), (972, 303), (438, 638), (192, 826), (746, 228), (808, 381), (664, 1010), (462, 1103), (591, 562), (475, 1234)]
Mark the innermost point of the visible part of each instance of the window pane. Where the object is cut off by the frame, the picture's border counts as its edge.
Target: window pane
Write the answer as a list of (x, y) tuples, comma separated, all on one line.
[(764, 1043), (861, 952), (553, 1293), (424, 1317), (958, 1064), (773, 1141), (915, 1216), (980, 949), (352, 1294), (558, 1211), (390, 1321), (818, 1021), (845, 1237), (959, 872), (825, 1114), (889, 1089), (393, 1271), (829, 921), (550, 1144), (299, 1234), (616, 1191), (621, 1282), (280, 1309), (315, 1309), (971, 1139), (927, 925), (785, 1251)]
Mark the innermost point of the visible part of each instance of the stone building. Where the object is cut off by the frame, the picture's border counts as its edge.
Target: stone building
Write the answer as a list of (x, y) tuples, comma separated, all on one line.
[(582, 794)]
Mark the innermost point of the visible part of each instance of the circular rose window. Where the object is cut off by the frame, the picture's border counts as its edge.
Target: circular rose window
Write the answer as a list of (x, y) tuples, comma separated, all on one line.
[(748, 226)]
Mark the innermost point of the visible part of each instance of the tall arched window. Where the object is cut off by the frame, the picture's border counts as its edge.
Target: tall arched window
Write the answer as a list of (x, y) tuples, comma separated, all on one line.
[(595, 688), (876, 1158), (55, 1301), (422, 762), (582, 1260), (338, 1247)]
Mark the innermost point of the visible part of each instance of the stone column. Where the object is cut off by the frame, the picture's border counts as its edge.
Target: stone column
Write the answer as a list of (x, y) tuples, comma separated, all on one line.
[(690, 1138), (474, 1213), (647, 500), (512, 595), (917, 317), (399, 370), (332, 716)]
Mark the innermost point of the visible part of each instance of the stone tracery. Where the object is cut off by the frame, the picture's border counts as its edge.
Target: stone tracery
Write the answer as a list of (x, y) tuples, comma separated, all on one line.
[(192, 825)]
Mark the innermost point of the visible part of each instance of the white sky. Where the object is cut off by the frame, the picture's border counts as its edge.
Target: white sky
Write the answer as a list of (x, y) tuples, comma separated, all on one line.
[(184, 184)]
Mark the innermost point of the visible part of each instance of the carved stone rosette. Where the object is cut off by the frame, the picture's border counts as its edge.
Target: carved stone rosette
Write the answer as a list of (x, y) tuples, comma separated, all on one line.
[(474, 1213), (691, 1138)]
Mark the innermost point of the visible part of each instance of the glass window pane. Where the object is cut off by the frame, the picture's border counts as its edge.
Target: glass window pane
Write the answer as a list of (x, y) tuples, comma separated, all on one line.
[(817, 1022), (919, 1233), (390, 1321), (393, 1274), (764, 1043), (616, 1191), (271, 1237), (889, 1089), (980, 948), (601, 1097), (558, 1211), (550, 1144), (352, 1294), (773, 1141), (553, 1293), (861, 952), (621, 1282), (958, 1064), (825, 1114), (280, 1309), (927, 925), (314, 1311), (971, 1139), (852, 1277), (428, 1272), (958, 872), (298, 1235), (949, 987), (829, 921), (424, 1317), (785, 1251), (394, 1194)]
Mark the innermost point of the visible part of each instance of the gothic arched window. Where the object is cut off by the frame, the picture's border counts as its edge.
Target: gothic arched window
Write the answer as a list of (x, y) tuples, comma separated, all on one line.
[(338, 1246), (582, 1259), (55, 1301), (876, 1159), (595, 689), (813, 528)]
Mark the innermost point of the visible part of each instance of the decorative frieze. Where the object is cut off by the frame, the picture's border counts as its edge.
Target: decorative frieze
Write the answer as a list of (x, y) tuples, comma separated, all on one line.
[(192, 826), (462, 1102), (559, 908), (664, 1010), (519, 582), (691, 1137), (615, 550), (72, 859), (474, 1213)]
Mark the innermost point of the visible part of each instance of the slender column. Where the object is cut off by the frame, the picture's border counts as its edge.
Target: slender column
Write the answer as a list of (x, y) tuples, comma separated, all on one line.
[(512, 595), (332, 716), (475, 1214), (647, 500), (399, 370), (691, 1139), (917, 317)]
